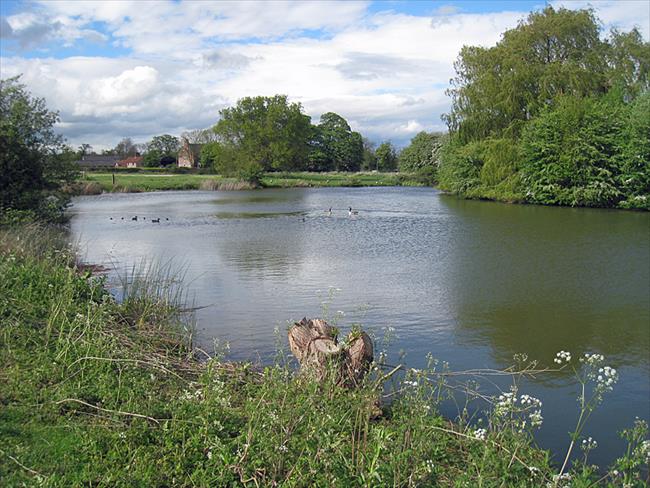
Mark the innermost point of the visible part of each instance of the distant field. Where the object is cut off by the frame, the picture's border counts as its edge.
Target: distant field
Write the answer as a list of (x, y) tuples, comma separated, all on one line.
[(137, 182), (148, 182)]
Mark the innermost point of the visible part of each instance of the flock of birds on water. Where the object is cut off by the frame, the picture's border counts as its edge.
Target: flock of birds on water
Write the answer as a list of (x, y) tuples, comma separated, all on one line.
[(351, 213), (135, 218)]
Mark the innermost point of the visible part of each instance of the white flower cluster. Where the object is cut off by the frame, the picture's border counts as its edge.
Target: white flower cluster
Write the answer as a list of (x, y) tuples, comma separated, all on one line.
[(411, 383), (534, 407), (506, 403), (644, 450), (606, 378), (560, 481), (480, 434), (528, 406), (588, 444), (192, 395), (562, 357), (429, 466), (592, 359)]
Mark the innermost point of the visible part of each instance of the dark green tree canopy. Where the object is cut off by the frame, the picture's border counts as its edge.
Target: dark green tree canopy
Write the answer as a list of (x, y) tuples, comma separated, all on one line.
[(340, 148), (386, 157), (266, 131), (34, 161), (161, 150)]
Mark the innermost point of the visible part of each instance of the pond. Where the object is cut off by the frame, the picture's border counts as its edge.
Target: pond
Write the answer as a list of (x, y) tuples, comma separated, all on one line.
[(471, 282)]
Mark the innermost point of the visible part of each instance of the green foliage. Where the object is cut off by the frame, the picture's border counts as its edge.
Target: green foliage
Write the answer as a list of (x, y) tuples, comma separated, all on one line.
[(34, 162), (498, 89), (588, 152), (266, 131), (369, 161), (460, 166), (422, 156), (386, 157), (160, 148), (335, 147), (102, 393), (552, 114)]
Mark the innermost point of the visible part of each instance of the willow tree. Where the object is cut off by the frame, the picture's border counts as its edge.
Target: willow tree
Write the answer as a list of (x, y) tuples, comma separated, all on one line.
[(497, 89), (552, 59)]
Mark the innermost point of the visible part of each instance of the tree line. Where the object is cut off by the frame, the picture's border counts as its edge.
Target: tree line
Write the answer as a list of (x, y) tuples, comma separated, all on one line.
[(265, 134), (553, 114)]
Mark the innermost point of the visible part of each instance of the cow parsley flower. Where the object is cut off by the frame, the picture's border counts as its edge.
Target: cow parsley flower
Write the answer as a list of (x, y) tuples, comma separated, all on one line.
[(588, 444), (562, 357), (480, 434)]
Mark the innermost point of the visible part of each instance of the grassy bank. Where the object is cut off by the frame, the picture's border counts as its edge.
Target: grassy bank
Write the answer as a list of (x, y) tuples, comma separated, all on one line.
[(112, 394), (94, 183)]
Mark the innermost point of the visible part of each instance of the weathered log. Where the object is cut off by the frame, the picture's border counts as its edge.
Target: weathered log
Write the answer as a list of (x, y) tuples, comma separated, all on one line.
[(315, 345)]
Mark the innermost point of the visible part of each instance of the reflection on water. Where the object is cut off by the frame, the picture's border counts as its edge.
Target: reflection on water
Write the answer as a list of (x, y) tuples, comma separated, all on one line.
[(255, 215), (471, 282)]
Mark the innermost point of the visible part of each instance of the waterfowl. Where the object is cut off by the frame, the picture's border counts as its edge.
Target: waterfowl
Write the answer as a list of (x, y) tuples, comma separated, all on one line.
[(352, 212), (134, 218), (329, 212), (155, 221)]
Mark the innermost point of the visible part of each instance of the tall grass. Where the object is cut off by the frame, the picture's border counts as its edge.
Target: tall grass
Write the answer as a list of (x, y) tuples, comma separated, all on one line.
[(102, 392)]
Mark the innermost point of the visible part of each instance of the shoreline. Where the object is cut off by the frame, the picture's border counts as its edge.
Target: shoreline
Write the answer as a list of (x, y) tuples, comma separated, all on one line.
[(122, 397)]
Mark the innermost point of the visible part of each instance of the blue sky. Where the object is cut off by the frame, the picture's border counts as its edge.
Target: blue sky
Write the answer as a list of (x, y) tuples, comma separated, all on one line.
[(137, 68)]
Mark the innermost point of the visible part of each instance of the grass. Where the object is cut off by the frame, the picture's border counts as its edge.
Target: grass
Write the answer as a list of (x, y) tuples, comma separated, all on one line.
[(92, 182), (96, 392)]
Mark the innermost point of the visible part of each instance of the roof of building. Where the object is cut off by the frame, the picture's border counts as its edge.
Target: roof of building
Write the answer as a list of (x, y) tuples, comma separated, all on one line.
[(98, 160), (137, 160)]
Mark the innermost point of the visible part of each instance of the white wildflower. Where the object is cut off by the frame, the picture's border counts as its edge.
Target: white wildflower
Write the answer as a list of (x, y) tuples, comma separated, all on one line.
[(588, 444), (480, 434), (560, 481), (562, 357), (644, 450)]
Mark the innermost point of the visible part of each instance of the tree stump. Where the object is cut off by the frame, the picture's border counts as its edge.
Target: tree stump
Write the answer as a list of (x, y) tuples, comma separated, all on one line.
[(315, 345)]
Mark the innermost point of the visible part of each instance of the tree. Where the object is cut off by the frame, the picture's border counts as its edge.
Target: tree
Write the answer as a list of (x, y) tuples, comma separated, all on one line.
[(369, 161), (199, 136), (34, 161), (386, 157), (338, 147), (268, 132), (552, 53), (125, 148), (422, 152), (538, 116), (161, 150), (84, 149)]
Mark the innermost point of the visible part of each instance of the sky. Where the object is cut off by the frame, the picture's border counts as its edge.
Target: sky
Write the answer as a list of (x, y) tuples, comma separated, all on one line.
[(139, 68)]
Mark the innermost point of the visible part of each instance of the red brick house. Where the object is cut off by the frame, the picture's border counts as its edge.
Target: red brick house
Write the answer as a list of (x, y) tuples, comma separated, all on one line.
[(130, 162)]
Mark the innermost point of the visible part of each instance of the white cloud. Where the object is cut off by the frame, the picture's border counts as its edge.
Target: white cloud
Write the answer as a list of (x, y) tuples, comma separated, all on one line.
[(621, 14), (385, 73)]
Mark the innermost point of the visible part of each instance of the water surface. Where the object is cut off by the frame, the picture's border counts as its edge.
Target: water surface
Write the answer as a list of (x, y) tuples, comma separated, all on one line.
[(471, 282)]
